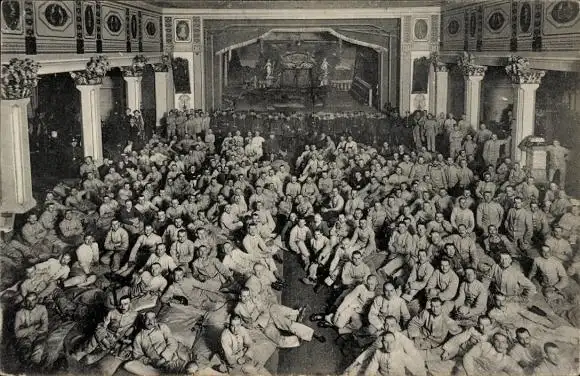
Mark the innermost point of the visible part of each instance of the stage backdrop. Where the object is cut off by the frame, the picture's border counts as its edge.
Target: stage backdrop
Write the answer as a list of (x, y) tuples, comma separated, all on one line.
[(247, 61), (296, 68)]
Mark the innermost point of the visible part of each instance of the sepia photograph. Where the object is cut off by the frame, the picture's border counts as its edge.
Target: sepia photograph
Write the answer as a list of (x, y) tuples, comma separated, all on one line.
[(290, 187)]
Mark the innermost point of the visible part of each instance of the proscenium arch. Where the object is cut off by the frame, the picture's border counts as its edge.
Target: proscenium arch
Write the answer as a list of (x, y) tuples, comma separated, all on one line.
[(329, 30)]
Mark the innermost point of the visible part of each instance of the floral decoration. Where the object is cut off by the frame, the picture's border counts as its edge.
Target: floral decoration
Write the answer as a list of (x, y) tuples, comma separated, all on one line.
[(97, 68), (518, 69), (136, 68), (466, 62), (165, 64), (18, 78)]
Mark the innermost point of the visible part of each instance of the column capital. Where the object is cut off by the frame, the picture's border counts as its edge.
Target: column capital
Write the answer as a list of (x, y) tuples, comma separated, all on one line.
[(88, 87), (466, 62), (97, 68), (473, 71), (526, 86), (473, 77), (19, 76), (438, 65), (440, 68), (135, 79), (15, 102), (519, 71)]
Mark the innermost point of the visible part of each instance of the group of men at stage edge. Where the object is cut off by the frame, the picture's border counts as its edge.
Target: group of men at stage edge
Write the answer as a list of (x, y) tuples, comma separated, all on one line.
[(471, 261)]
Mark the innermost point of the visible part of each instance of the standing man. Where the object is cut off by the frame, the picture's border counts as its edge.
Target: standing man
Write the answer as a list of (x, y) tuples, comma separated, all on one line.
[(519, 225), (491, 149), (430, 131), (557, 158)]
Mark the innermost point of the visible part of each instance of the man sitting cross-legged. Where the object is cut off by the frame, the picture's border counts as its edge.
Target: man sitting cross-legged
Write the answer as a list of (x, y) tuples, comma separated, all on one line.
[(30, 329), (390, 359), (156, 351), (238, 349), (432, 326), (402, 342), (348, 317), (111, 335), (257, 314), (491, 358)]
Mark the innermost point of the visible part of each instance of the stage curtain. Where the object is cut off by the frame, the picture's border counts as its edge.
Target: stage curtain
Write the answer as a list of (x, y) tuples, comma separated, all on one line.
[(236, 36), (380, 40)]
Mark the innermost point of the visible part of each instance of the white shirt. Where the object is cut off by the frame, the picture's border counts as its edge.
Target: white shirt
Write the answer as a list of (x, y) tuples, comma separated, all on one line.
[(86, 255)]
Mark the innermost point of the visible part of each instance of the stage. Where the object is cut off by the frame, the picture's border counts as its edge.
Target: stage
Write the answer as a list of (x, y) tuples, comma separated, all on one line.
[(327, 99)]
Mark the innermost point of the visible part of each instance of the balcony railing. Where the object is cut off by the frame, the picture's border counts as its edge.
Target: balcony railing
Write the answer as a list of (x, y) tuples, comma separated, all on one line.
[(341, 85)]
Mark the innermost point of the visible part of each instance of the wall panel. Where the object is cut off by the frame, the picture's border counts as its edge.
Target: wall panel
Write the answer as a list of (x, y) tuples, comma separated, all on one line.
[(77, 27), (511, 25)]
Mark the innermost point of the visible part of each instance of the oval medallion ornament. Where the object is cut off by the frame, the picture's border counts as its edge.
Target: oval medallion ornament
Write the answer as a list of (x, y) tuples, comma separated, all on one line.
[(114, 23), (453, 27), (89, 20), (565, 11), (421, 29), (11, 14), (525, 17), (496, 21), (151, 29), (56, 15), (134, 26), (472, 25)]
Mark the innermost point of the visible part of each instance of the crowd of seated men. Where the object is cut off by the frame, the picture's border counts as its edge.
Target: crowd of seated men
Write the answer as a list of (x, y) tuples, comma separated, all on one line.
[(463, 247)]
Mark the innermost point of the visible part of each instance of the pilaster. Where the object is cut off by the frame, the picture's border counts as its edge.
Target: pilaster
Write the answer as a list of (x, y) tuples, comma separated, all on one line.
[(441, 88), (163, 89)]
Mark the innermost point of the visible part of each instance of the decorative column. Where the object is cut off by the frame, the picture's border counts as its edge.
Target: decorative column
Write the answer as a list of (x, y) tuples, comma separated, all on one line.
[(473, 74), (133, 91), (88, 82), (163, 91), (133, 75), (91, 118), (19, 77), (525, 81)]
